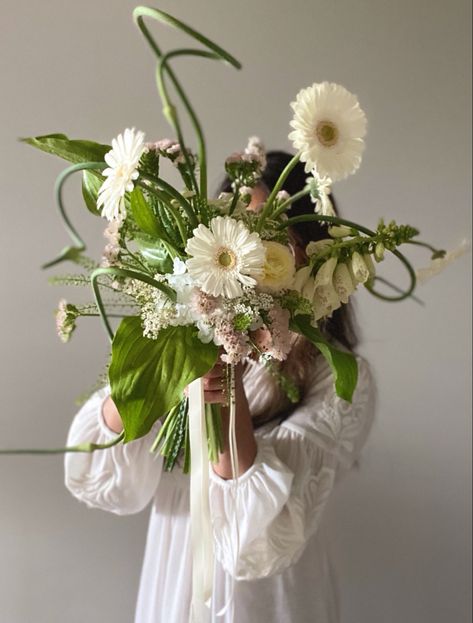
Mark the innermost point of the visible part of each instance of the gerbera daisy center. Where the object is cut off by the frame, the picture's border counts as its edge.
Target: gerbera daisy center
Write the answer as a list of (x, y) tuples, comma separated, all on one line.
[(327, 133), (225, 258)]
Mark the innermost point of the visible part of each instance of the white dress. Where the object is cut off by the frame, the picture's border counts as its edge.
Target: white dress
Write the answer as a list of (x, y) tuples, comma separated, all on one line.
[(283, 574)]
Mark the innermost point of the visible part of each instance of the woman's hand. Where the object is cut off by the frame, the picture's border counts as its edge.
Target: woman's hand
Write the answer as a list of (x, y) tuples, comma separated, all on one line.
[(215, 384)]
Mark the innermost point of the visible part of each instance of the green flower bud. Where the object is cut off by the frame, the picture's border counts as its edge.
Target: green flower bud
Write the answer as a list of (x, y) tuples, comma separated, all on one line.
[(379, 252)]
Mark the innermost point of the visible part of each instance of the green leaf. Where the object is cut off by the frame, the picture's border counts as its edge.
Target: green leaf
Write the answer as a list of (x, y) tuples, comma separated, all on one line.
[(344, 366), (90, 190), (71, 150), (143, 214), (155, 254), (147, 377)]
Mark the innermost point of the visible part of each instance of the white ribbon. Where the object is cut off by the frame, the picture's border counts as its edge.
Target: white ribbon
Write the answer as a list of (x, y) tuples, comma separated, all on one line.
[(201, 527)]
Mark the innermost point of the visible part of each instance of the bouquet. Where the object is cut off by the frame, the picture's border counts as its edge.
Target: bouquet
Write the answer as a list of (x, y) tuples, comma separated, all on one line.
[(193, 278)]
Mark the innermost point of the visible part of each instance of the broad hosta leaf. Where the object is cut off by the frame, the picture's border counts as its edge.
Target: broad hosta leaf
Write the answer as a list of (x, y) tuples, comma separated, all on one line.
[(91, 183), (147, 377), (74, 151), (344, 366)]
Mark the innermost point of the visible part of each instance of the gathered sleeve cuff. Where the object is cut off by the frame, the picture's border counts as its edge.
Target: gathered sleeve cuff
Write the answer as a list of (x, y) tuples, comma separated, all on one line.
[(263, 521), (121, 479)]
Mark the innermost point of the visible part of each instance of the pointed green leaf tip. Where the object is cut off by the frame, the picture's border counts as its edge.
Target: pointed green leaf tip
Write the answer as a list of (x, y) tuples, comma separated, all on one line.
[(344, 365), (148, 377), (75, 151), (144, 215)]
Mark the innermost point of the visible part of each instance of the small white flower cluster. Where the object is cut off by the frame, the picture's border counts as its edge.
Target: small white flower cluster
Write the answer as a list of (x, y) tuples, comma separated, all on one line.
[(66, 315), (255, 151), (157, 310)]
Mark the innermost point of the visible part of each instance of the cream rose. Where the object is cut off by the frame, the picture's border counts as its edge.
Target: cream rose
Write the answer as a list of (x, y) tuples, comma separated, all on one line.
[(279, 267)]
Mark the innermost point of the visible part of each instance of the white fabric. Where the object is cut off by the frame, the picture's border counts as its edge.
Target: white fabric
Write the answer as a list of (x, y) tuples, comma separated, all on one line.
[(283, 573)]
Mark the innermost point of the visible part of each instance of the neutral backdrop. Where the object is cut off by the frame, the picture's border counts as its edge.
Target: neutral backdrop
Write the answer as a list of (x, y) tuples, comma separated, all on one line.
[(400, 525)]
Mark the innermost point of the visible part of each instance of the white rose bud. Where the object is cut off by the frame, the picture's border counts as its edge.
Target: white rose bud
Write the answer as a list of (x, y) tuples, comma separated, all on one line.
[(279, 267)]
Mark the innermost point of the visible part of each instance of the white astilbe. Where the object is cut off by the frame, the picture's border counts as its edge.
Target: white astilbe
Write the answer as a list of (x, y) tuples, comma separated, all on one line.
[(256, 150), (437, 265)]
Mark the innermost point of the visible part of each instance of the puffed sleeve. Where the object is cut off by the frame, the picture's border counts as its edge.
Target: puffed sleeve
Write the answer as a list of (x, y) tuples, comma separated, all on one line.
[(279, 501), (121, 479)]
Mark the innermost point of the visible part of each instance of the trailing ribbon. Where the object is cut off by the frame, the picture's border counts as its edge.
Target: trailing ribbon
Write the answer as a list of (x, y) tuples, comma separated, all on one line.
[(201, 527)]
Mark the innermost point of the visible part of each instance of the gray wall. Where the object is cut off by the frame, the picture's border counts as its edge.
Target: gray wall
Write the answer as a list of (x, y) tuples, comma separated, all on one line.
[(399, 526)]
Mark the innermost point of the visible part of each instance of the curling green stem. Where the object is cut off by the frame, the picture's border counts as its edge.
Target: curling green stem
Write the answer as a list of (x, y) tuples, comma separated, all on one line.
[(419, 243), (335, 220), (139, 14), (277, 187), (170, 110), (406, 293), (79, 244), (393, 286), (82, 447)]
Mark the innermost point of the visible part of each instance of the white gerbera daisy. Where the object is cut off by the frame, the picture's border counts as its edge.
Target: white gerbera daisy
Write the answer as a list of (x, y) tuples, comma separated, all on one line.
[(329, 127), (224, 256), (122, 161)]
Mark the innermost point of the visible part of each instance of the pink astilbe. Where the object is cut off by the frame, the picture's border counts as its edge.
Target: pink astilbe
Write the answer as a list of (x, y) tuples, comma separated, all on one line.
[(276, 339), (203, 304), (235, 343), (281, 336), (111, 253)]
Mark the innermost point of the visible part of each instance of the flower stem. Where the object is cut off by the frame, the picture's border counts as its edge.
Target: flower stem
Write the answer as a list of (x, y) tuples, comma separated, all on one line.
[(170, 190), (284, 206), (335, 220), (424, 244), (139, 14), (82, 447), (78, 244), (277, 187), (235, 199)]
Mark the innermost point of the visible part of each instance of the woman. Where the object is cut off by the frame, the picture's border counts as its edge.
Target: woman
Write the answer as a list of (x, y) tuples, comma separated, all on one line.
[(289, 459)]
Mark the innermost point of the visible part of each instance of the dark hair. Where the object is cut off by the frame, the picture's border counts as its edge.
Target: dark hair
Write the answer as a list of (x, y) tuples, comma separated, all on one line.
[(341, 325)]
